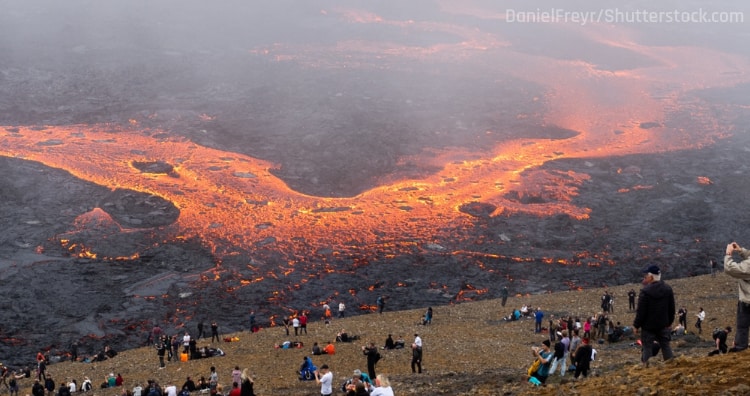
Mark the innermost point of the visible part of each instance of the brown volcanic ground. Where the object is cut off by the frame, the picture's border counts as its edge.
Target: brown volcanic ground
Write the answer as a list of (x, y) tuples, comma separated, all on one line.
[(468, 350)]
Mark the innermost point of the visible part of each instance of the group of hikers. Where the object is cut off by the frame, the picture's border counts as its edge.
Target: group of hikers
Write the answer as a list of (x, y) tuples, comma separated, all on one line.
[(654, 322)]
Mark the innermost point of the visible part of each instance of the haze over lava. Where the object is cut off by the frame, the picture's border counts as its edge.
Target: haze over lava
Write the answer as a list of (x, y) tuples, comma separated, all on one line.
[(278, 157)]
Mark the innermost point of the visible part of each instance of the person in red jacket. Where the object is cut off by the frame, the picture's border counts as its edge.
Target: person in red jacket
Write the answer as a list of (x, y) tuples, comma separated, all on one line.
[(303, 323)]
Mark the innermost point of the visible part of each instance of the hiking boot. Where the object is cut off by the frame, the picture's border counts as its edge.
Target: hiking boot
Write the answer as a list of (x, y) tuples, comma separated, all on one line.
[(735, 349)]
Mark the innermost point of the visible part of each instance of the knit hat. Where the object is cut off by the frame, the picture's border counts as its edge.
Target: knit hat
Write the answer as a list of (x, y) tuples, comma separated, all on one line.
[(652, 270)]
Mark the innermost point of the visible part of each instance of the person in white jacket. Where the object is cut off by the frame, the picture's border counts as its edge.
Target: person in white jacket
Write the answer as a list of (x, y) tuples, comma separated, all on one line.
[(741, 271)]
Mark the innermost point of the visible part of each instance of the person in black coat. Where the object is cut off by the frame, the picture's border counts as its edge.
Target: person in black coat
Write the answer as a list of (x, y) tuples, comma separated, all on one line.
[(655, 314), (37, 389), (582, 358), (416, 359), (373, 356)]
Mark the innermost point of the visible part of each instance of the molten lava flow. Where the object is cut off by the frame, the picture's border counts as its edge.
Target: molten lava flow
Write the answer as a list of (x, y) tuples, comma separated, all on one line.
[(230, 199), (233, 203)]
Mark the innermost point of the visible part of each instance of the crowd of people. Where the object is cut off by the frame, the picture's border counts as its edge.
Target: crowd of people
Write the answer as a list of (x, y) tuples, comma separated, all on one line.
[(570, 346), (654, 323)]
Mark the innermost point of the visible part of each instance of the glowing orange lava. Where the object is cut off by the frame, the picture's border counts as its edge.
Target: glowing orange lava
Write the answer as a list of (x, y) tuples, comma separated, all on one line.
[(233, 202)]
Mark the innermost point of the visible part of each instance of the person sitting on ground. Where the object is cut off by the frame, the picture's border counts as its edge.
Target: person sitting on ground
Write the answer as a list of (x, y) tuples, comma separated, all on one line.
[(679, 330), (86, 385), (202, 383), (307, 370), (329, 349), (525, 310), (316, 349), (389, 344), (342, 336), (400, 343), (189, 384)]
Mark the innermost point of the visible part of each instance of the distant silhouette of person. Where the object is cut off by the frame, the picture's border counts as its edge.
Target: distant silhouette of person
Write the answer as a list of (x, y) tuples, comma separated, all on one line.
[(504, 295), (701, 317), (416, 359), (214, 331), (389, 344), (200, 331), (631, 300)]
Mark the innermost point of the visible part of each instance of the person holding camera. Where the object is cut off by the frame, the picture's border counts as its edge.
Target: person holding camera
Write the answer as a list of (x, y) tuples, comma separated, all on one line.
[(373, 356), (325, 380), (741, 271)]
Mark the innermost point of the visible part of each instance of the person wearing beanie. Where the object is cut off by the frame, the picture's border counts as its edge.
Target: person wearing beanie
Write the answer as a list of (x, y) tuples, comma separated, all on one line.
[(655, 314), (544, 355)]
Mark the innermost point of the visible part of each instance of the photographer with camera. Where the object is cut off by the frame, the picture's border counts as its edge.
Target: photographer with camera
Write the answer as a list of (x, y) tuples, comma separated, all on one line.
[(741, 271), (325, 380), (373, 356)]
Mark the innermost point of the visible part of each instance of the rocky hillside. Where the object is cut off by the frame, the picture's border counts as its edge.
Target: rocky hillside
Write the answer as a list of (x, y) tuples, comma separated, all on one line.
[(468, 350)]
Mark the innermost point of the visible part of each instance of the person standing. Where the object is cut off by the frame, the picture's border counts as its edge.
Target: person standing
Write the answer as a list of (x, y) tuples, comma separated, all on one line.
[(631, 300), (186, 342), (246, 387), (504, 295), (655, 314), (714, 267), (214, 331), (538, 317), (325, 381), (381, 304), (200, 330), (37, 389), (303, 323), (253, 324), (544, 355), (701, 317), (161, 350), (49, 385), (418, 340), (342, 308), (416, 359), (682, 317), (237, 376), (373, 356), (741, 271), (213, 380), (74, 351), (582, 358), (295, 324), (286, 323)]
